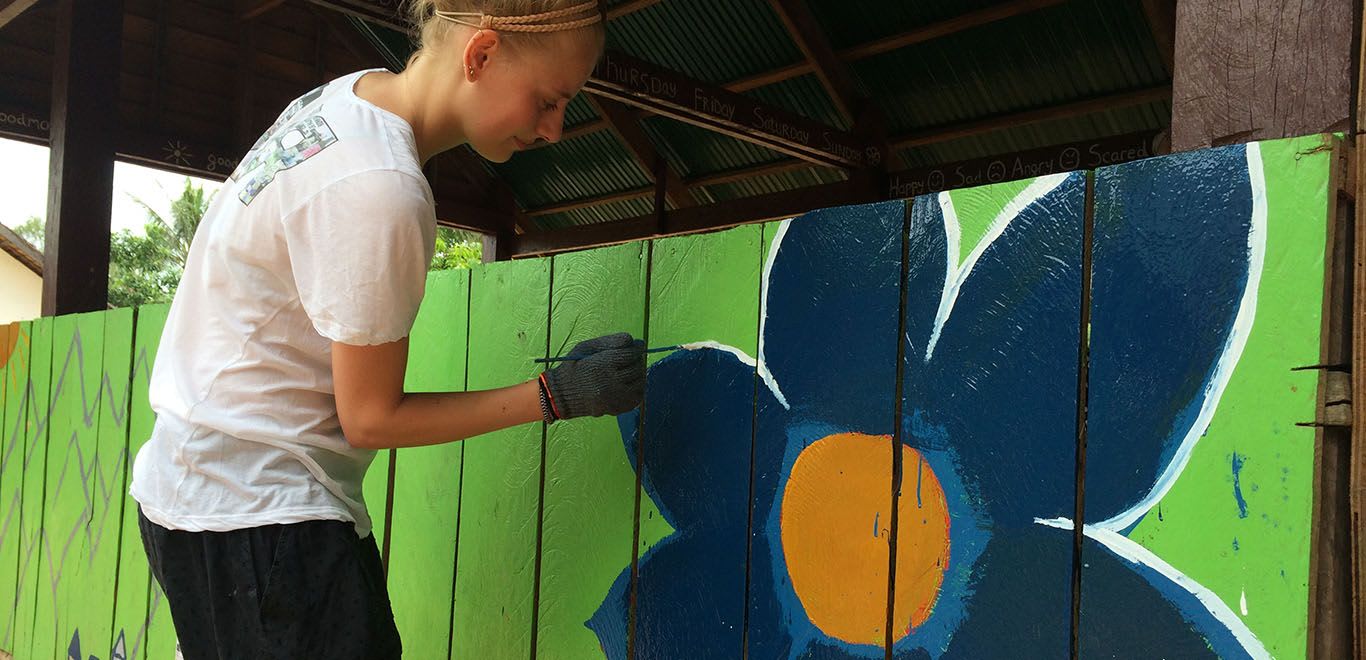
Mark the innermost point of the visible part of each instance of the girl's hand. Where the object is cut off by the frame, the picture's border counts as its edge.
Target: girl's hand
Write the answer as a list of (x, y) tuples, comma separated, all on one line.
[(608, 378)]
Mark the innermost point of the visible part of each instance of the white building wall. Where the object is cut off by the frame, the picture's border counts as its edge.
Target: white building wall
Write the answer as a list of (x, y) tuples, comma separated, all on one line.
[(21, 291)]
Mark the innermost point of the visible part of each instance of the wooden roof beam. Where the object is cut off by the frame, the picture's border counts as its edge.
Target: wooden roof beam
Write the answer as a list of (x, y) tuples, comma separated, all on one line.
[(696, 219), (630, 7), (388, 13), (385, 13), (937, 134), (11, 9), (588, 202), (926, 33), (743, 173), (626, 126), (921, 34), (1087, 154), (655, 89), (933, 135), (806, 33), (255, 8), (1161, 15)]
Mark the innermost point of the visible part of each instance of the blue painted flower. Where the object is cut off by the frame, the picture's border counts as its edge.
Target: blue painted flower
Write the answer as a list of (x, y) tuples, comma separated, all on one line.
[(785, 461)]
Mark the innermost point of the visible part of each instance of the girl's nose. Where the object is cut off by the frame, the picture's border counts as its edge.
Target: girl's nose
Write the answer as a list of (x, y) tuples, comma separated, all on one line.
[(552, 126)]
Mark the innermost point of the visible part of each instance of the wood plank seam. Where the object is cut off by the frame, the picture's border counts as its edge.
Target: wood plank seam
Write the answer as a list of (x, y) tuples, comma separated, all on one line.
[(1083, 385), (640, 468), (540, 496), (898, 403)]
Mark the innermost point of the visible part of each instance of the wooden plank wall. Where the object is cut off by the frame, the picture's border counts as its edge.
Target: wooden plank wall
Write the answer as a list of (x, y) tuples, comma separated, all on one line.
[(947, 332)]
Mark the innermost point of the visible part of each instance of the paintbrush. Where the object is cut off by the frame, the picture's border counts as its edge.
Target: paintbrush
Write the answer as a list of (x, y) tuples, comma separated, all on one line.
[(566, 358)]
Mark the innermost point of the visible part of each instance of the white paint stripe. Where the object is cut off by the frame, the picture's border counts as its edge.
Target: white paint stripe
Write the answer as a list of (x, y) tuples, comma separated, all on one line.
[(1242, 602), (1233, 350), (1134, 553), (700, 345), (761, 366), (954, 278)]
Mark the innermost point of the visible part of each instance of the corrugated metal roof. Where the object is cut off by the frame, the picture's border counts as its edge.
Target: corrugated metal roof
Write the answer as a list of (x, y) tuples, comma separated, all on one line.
[(712, 40), (1078, 50), (584, 167), (805, 96), (771, 183), (1152, 116), (852, 22), (700, 151), (601, 213), (578, 111)]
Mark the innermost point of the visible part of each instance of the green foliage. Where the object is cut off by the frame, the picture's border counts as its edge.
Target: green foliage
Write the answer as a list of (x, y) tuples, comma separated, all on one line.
[(145, 270), (32, 231), (456, 249)]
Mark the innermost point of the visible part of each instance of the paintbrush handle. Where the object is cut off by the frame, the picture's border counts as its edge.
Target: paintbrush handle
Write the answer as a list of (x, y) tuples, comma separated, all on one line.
[(566, 358)]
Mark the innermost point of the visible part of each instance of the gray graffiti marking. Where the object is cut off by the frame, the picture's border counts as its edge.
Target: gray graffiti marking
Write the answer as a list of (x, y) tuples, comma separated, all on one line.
[(104, 491)]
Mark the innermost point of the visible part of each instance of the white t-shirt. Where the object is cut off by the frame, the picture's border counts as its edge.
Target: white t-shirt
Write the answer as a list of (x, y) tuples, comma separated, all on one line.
[(323, 233)]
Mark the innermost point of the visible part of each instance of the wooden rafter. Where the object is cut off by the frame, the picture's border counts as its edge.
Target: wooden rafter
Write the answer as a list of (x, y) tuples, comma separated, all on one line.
[(11, 9), (339, 28), (743, 173), (387, 13), (925, 33), (627, 129), (1161, 15), (936, 134), (918, 35), (630, 7), (834, 75), (379, 12), (653, 88), (696, 219), (587, 202), (244, 95), (256, 8), (1087, 154)]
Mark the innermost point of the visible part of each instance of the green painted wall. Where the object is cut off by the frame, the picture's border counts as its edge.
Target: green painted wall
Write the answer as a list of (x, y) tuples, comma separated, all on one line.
[(469, 518), (586, 525), (425, 519)]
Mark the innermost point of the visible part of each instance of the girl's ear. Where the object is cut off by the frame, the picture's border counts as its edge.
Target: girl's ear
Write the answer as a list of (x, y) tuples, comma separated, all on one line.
[(478, 50)]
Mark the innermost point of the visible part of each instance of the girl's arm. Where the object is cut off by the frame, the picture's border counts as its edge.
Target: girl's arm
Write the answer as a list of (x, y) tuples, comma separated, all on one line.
[(376, 413)]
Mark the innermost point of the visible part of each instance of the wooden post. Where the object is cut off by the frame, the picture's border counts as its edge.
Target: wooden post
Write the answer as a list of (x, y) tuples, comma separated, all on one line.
[(1356, 478), (1330, 563), (85, 85), (1259, 70)]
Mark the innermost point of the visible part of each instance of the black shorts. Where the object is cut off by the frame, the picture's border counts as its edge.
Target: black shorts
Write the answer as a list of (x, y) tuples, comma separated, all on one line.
[(287, 592)]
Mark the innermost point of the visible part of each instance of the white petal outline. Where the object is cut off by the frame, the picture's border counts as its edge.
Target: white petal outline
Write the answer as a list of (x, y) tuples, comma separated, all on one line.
[(1233, 350), (761, 365), (1131, 551), (956, 274)]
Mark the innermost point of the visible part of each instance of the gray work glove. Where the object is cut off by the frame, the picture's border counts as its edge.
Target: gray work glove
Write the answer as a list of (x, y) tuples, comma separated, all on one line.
[(607, 379)]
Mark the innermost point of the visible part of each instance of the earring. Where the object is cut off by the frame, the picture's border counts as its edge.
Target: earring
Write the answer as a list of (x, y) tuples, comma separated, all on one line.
[(471, 69)]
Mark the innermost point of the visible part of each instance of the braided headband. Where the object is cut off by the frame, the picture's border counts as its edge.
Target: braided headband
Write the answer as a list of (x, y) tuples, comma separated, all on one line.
[(543, 22)]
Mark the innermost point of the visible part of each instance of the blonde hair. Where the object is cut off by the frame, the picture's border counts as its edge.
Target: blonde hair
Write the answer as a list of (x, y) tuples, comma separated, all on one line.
[(432, 20)]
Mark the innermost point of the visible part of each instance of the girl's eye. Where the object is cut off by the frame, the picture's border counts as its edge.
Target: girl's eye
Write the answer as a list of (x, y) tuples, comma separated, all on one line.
[(549, 106)]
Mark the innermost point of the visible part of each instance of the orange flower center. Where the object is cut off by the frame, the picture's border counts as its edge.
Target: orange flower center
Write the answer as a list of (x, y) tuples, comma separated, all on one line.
[(835, 533)]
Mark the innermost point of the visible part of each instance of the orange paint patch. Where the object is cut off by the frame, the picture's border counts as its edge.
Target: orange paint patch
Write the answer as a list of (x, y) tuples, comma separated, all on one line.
[(836, 522), (9, 338)]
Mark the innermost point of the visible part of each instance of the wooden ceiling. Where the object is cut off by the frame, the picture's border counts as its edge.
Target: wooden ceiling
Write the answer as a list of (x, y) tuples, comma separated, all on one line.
[(199, 80)]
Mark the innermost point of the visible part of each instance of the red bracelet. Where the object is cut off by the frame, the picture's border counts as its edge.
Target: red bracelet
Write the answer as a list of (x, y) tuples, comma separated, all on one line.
[(545, 387)]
